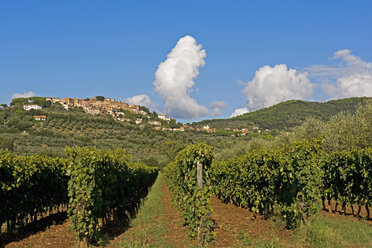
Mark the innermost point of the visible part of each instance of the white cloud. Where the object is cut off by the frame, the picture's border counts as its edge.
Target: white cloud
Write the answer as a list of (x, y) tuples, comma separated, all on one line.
[(174, 79), (350, 78), (142, 100), (217, 106), (239, 111), (272, 85), (23, 95)]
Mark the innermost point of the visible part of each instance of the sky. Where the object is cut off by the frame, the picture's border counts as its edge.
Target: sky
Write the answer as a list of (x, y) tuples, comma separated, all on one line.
[(191, 60)]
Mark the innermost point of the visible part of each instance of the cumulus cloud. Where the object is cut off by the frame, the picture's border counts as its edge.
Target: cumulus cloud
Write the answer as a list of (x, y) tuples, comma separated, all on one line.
[(142, 100), (272, 85), (239, 111), (216, 107), (351, 77), (174, 79), (24, 95)]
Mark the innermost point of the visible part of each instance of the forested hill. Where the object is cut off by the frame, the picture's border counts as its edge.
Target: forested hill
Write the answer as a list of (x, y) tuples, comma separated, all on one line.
[(287, 114)]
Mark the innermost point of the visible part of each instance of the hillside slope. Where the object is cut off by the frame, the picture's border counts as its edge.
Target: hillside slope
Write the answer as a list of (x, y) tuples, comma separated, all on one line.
[(287, 114)]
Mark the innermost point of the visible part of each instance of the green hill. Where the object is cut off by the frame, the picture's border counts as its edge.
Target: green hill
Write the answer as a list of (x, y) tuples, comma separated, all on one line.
[(287, 114), (23, 135)]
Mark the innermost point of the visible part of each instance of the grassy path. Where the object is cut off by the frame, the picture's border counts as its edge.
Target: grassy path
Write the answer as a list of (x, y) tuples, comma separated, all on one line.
[(157, 223), (148, 228)]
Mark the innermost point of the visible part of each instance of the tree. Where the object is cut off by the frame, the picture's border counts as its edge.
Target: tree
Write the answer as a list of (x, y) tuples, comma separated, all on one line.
[(6, 143), (100, 98), (170, 148)]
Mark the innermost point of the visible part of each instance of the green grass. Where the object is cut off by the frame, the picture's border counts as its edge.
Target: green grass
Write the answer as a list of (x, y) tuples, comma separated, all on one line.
[(322, 232), (148, 228), (328, 232)]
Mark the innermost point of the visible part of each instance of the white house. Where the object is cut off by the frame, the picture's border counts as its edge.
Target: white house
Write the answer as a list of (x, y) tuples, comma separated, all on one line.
[(65, 105), (138, 121), (157, 123), (40, 117), (164, 117), (142, 112), (28, 107), (206, 127), (57, 99)]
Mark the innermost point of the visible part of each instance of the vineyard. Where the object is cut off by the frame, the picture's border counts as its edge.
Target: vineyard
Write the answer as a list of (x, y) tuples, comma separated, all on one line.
[(95, 186), (313, 185)]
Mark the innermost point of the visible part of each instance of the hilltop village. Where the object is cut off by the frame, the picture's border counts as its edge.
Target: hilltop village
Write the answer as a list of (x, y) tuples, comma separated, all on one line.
[(130, 113)]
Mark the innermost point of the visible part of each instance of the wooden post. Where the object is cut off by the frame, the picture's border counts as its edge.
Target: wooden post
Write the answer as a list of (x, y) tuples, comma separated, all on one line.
[(199, 183), (199, 174)]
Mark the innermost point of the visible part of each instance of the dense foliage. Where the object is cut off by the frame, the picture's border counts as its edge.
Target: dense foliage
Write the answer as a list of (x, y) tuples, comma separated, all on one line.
[(348, 178), (193, 200), (29, 186), (95, 185), (282, 182), (340, 166), (102, 186)]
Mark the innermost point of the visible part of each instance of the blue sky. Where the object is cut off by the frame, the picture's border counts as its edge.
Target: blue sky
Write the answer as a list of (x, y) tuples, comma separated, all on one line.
[(113, 48)]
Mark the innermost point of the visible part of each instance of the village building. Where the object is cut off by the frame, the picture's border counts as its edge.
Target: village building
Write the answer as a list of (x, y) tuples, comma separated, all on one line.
[(157, 123), (64, 105), (69, 101), (164, 117), (57, 99), (28, 107), (181, 129), (211, 130), (166, 129), (40, 117)]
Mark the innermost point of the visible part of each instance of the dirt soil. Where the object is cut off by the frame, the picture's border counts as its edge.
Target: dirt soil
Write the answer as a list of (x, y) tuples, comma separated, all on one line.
[(177, 234), (340, 211), (49, 232), (234, 223)]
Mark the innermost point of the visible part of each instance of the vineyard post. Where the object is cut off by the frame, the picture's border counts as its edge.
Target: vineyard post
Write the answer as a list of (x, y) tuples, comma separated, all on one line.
[(199, 183)]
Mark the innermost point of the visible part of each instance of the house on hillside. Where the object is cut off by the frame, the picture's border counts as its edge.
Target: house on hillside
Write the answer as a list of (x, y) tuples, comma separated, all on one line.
[(57, 99), (138, 121), (164, 117), (30, 106), (69, 101), (211, 130), (181, 129), (40, 117), (157, 123)]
